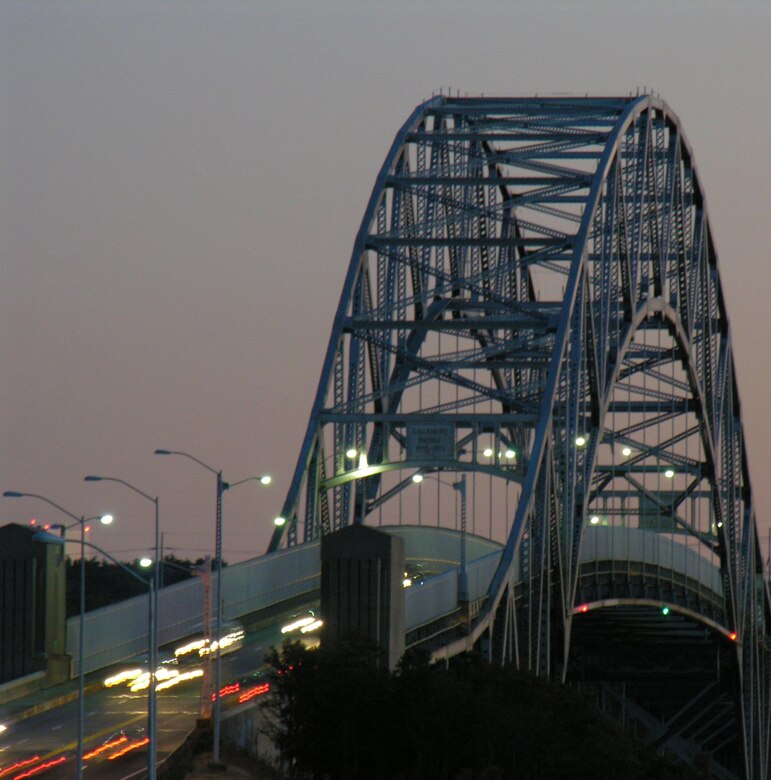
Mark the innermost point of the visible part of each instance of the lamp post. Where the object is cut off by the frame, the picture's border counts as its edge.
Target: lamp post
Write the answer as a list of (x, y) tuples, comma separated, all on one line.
[(152, 704), (81, 521), (222, 486), (460, 486), (203, 571), (45, 537)]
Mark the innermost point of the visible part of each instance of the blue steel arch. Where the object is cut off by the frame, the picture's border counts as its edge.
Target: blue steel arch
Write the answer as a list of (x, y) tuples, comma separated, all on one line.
[(530, 274)]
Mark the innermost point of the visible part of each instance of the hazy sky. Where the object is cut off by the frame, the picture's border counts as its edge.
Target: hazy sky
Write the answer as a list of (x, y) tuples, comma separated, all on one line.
[(181, 184)]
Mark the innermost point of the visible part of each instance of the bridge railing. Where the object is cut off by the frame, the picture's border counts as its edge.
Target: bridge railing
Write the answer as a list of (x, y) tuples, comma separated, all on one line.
[(120, 631), (664, 551), (663, 556), (438, 596)]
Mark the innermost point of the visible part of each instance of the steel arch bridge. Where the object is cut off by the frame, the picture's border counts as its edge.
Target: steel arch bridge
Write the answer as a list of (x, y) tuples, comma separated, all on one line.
[(533, 305)]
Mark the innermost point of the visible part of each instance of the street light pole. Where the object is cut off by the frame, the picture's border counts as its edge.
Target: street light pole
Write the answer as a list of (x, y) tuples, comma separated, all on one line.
[(218, 621), (45, 537), (152, 702), (106, 520), (221, 488), (460, 486), (203, 571), (81, 654)]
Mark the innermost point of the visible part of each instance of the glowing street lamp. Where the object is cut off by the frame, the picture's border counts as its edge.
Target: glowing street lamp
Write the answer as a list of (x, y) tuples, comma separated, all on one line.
[(222, 486), (152, 702), (81, 521), (47, 538), (460, 486)]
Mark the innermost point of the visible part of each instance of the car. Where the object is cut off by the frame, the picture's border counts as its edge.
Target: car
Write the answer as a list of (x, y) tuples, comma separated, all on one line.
[(119, 743), (196, 647), (302, 623), (413, 575), (135, 674)]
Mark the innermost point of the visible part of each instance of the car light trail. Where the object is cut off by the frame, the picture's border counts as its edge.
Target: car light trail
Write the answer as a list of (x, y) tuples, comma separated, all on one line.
[(41, 768), (293, 626), (228, 690), (129, 748), (177, 679), (128, 675), (105, 747), (18, 765), (250, 693)]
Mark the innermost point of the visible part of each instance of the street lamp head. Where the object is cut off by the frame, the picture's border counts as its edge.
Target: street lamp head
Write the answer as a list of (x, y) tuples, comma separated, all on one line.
[(13, 494), (145, 563), (266, 479), (106, 519), (92, 478), (164, 452)]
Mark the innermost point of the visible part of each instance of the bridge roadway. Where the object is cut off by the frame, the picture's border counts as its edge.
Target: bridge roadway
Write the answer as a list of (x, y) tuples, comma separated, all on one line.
[(629, 574), (657, 568), (50, 736)]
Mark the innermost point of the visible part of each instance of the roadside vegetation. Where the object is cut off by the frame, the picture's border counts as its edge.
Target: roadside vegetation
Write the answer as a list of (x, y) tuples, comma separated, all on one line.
[(107, 583), (337, 714)]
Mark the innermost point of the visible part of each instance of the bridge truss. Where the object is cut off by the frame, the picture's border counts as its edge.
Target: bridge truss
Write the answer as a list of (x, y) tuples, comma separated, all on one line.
[(533, 303)]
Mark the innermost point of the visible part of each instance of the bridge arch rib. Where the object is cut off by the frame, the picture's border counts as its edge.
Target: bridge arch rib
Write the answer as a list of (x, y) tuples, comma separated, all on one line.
[(533, 299)]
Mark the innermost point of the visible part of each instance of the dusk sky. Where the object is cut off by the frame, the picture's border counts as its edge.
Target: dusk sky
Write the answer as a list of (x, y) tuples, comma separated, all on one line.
[(181, 184)]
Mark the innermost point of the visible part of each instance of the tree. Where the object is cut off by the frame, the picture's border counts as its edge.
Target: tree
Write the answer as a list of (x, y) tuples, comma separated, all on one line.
[(336, 715), (329, 708), (107, 583)]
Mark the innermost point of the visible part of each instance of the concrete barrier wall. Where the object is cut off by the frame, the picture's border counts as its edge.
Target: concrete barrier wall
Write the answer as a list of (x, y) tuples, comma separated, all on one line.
[(120, 631), (439, 548), (438, 595), (653, 548)]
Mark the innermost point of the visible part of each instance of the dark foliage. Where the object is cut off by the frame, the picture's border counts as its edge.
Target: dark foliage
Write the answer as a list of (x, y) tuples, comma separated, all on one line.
[(335, 714), (107, 583)]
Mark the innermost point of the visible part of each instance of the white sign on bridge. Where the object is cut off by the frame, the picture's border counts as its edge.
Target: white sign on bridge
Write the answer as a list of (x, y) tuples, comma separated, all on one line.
[(430, 441)]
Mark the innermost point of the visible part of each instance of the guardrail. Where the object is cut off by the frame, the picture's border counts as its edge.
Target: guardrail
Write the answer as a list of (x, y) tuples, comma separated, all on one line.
[(120, 631)]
